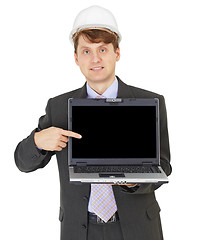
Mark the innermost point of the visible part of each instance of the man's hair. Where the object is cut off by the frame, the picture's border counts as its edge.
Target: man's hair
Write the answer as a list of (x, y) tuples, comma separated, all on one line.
[(96, 36)]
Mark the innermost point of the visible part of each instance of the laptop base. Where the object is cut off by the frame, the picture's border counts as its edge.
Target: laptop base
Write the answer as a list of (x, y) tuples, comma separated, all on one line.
[(118, 178)]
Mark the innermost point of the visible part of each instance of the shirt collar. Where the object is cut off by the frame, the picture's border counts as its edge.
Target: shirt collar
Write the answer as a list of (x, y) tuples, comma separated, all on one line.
[(110, 92)]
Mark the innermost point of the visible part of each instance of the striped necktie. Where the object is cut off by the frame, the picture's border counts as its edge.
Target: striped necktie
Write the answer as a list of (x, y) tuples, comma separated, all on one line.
[(103, 201)]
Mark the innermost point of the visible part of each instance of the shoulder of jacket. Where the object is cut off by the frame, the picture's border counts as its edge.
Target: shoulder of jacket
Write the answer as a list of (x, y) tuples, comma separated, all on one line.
[(139, 92), (65, 96), (143, 93)]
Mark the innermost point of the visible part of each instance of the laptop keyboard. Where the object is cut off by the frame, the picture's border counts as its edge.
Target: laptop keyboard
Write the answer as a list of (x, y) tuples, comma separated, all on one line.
[(124, 169)]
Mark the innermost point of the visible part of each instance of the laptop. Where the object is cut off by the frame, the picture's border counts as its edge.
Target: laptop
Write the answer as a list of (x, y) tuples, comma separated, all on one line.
[(120, 141)]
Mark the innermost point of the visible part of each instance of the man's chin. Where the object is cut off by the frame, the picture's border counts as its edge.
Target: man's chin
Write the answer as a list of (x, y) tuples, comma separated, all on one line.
[(96, 78)]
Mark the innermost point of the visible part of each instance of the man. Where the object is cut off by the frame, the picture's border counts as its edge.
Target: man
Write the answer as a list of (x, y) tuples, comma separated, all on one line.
[(135, 209)]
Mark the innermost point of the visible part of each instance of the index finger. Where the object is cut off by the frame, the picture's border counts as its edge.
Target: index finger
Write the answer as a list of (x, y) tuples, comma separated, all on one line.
[(71, 134)]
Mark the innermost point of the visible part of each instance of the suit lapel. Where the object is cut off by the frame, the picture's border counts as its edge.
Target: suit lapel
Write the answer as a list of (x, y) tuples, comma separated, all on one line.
[(82, 92), (124, 91)]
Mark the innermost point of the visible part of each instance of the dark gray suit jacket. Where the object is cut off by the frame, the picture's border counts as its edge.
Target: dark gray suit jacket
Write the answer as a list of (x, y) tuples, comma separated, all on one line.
[(138, 211)]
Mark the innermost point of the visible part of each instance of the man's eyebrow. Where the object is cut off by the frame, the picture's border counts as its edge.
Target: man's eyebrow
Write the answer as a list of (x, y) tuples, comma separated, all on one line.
[(86, 47), (82, 48), (104, 45)]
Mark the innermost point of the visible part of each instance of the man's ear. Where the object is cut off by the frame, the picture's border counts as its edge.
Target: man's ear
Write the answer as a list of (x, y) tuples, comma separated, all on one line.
[(76, 59), (117, 54)]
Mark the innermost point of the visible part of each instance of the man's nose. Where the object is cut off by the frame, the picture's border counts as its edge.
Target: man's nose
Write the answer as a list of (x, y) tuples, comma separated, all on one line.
[(96, 57)]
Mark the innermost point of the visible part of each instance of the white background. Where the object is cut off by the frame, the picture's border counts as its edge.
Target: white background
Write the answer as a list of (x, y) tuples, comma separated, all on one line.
[(158, 53)]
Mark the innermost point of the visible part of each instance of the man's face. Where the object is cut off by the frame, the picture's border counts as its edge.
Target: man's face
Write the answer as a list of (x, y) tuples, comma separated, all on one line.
[(97, 61)]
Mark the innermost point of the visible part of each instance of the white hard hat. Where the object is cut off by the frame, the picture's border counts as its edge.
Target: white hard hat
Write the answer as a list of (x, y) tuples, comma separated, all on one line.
[(94, 17)]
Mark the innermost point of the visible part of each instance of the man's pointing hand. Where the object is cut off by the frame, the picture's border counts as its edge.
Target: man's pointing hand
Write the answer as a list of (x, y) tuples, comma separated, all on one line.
[(53, 138)]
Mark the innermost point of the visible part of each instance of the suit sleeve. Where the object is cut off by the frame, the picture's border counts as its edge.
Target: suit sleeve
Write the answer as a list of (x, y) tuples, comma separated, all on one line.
[(27, 156), (164, 152)]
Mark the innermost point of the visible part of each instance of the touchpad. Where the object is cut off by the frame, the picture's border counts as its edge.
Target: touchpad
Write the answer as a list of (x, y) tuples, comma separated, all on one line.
[(111, 175)]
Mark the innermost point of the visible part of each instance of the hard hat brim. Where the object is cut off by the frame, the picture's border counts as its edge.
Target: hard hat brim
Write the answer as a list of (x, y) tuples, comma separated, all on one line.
[(95, 26)]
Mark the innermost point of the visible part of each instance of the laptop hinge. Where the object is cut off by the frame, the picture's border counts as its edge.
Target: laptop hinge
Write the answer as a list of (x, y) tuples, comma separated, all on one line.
[(81, 164)]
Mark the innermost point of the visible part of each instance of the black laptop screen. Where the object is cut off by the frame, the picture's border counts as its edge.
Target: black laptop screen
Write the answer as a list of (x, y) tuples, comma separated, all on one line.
[(114, 132)]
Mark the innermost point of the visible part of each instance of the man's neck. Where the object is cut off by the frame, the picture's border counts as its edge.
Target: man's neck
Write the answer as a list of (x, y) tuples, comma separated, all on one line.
[(100, 87)]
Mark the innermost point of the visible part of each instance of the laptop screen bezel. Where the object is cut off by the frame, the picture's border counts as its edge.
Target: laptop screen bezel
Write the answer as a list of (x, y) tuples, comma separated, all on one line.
[(113, 102)]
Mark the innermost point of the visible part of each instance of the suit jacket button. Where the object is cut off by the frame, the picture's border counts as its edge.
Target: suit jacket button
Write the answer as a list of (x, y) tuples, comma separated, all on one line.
[(83, 226), (85, 198)]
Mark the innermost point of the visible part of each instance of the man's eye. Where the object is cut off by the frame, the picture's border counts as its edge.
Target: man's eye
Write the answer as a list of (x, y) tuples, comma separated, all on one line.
[(102, 50), (86, 52)]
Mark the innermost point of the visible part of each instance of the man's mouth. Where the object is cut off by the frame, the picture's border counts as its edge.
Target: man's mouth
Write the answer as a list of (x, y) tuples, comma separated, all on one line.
[(96, 68)]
